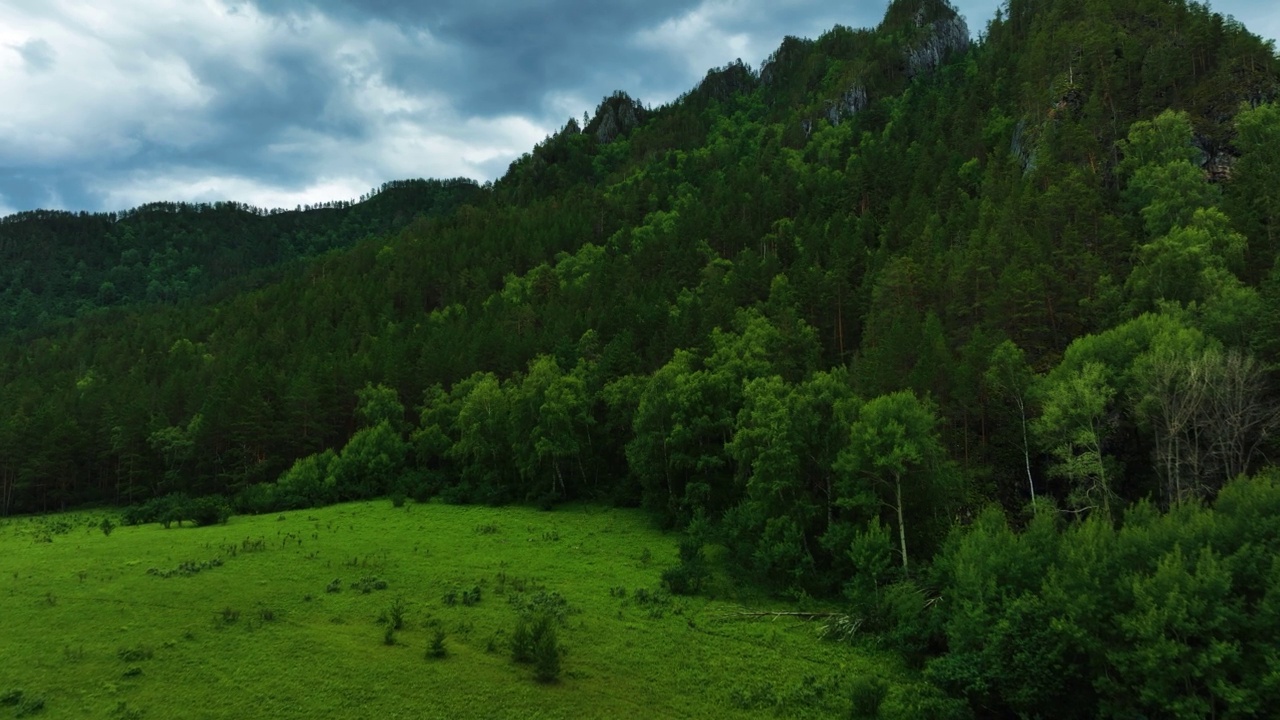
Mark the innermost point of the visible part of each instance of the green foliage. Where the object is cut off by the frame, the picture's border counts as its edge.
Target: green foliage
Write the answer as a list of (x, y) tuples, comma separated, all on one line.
[(546, 655), (1074, 425), (369, 465), (824, 312), (1156, 617), (895, 453), (534, 641), (368, 584), (378, 404), (437, 649), (209, 510), (395, 614), (28, 705), (176, 508)]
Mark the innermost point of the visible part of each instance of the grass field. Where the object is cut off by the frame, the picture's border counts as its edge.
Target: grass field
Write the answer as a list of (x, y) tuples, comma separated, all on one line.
[(264, 618)]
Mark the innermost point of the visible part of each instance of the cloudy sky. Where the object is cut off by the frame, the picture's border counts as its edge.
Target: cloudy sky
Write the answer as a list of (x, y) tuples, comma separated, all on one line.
[(112, 103)]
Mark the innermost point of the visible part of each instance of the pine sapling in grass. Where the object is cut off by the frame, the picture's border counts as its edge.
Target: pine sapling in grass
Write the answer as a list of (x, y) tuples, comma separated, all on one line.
[(437, 648), (546, 656), (395, 615)]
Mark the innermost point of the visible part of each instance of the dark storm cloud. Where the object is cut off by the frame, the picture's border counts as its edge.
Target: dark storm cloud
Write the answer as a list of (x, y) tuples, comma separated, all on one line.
[(505, 56), (279, 102)]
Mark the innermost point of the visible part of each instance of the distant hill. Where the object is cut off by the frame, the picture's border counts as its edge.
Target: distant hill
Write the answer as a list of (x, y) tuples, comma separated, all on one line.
[(979, 336), (58, 265), (869, 212)]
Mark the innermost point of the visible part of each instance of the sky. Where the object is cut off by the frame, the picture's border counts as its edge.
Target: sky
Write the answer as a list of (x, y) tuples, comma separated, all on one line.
[(109, 104)]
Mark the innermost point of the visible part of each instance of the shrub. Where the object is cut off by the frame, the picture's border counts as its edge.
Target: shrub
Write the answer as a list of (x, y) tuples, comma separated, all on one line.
[(522, 641), (685, 578), (437, 649), (176, 507), (535, 641), (258, 499), (29, 705), (208, 510), (546, 655), (368, 584), (543, 603), (107, 526), (389, 634), (395, 614), (124, 712), (135, 654), (867, 694)]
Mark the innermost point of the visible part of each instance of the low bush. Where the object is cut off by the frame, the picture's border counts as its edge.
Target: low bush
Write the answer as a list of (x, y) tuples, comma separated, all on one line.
[(135, 654), (395, 614), (368, 584), (177, 507), (534, 641), (29, 705), (437, 647)]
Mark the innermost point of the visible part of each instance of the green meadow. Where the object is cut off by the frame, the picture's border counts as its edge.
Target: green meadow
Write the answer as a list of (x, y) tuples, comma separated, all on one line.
[(287, 617)]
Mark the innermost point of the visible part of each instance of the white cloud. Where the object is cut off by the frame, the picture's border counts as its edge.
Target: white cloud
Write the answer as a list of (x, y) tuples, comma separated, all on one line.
[(564, 104), (196, 185), (121, 79), (717, 32), (343, 170), (113, 104), (698, 36), (116, 79)]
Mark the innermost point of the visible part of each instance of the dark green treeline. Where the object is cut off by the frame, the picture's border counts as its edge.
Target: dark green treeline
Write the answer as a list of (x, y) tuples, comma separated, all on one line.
[(824, 312), (1021, 234)]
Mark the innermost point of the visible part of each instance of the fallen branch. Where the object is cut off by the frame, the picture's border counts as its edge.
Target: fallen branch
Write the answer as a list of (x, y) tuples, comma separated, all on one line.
[(777, 614)]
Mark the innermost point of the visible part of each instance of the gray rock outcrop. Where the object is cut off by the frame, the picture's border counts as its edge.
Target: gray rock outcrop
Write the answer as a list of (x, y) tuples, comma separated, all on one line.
[(946, 35), (850, 103)]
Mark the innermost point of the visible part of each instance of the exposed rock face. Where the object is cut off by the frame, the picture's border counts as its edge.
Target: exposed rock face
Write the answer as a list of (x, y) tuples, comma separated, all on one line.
[(946, 35), (1020, 147), (850, 103), (1216, 158), (616, 116)]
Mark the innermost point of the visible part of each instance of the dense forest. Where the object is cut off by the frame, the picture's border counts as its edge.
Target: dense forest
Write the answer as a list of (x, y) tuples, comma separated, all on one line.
[(58, 265), (980, 337)]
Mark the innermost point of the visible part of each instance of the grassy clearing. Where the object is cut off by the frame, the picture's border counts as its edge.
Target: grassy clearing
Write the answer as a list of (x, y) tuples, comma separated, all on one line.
[(286, 617)]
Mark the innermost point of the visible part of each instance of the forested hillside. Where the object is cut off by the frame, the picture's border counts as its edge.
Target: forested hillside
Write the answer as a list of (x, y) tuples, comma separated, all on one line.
[(58, 265), (822, 313)]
